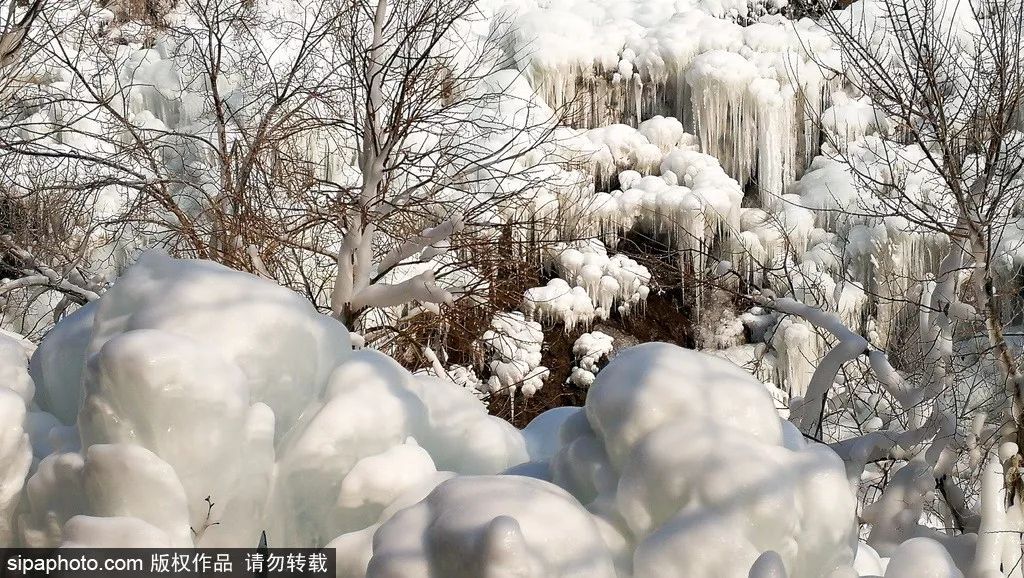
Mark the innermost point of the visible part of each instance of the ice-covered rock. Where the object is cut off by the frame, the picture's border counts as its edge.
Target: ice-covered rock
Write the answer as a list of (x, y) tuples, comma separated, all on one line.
[(588, 350), (590, 283), (514, 346)]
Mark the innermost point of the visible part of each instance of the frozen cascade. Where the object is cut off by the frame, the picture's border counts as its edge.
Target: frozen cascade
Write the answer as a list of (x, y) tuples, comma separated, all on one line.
[(722, 109), (776, 151), (693, 62)]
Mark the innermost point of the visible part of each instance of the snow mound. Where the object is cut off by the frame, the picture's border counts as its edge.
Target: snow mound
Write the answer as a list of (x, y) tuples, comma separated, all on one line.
[(15, 449), (677, 465)]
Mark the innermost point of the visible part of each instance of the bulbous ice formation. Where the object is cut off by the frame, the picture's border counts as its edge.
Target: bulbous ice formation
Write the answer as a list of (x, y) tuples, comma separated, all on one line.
[(373, 406), (184, 388), (492, 527), (684, 455), (285, 350), (15, 449), (677, 465)]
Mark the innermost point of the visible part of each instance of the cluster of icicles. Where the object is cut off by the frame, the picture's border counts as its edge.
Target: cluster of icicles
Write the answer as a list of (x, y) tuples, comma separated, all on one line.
[(689, 106), (589, 284), (797, 244), (752, 94)]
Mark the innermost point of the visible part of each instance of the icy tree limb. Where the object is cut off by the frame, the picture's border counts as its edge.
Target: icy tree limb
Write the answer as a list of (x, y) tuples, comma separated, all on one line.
[(419, 288), (435, 363), (807, 414), (905, 393), (425, 239), (257, 262), (357, 247), (988, 555), (38, 274)]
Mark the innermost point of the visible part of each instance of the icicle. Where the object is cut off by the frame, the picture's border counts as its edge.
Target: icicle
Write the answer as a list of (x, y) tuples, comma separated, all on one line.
[(776, 147), (719, 81)]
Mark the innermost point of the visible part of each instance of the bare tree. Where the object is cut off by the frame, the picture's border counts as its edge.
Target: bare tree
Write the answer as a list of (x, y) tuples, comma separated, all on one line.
[(358, 152), (425, 82)]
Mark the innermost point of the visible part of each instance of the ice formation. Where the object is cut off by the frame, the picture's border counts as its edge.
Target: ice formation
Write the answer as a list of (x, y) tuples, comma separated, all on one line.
[(161, 292), (637, 492), (619, 148), (589, 285), (588, 350), (668, 481), (652, 477), (16, 391), (752, 93), (682, 193), (499, 526), (514, 345), (184, 368)]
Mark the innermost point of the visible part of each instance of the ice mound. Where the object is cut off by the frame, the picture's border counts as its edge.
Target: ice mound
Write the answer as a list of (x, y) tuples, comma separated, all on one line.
[(513, 344), (677, 466), (665, 450), (15, 450), (204, 420), (372, 406), (589, 349), (282, 346), (492, 527)]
